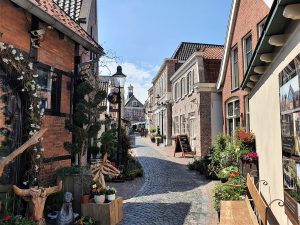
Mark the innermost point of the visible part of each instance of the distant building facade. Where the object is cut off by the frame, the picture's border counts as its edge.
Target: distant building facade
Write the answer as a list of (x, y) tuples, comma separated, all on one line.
[(134, 110), (197, 107)]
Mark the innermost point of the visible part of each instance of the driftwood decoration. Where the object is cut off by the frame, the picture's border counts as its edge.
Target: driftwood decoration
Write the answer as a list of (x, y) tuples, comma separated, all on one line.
[(102, 168), (36, 198), (33, 140)]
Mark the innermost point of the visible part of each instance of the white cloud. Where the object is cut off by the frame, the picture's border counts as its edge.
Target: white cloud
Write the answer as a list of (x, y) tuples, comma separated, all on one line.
[(139, 77)]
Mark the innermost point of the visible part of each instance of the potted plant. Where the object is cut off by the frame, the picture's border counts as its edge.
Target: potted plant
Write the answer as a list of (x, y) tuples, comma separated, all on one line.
[(228, 173), (110, 193), (152, 138), (86, 220), (99, 194)]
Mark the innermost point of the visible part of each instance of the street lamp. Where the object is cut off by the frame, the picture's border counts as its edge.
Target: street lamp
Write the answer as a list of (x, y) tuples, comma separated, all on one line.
[(119, 79), (162, 116)]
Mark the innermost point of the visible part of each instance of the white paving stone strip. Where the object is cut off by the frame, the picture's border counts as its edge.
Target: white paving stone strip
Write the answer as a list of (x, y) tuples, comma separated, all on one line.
[(171, 194)]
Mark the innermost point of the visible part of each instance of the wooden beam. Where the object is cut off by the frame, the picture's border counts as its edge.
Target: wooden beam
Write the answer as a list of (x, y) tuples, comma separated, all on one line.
[(278, 40), (254, 78), (260, 69), (250, 84), (267, 57), (292, 11)]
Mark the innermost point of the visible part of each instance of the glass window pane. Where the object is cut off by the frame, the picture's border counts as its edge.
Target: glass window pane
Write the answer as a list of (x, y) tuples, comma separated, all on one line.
[(237, 108), (230, 126), (230, 109)]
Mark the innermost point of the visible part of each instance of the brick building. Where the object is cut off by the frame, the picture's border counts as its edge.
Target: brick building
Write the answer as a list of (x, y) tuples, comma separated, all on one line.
[(246, 22), (134, 110), (197, 108), (50, 39)]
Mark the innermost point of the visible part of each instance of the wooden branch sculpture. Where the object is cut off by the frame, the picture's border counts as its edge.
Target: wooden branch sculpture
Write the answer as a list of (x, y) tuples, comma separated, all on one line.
[(102, 168), (36, 197), (33, 140)]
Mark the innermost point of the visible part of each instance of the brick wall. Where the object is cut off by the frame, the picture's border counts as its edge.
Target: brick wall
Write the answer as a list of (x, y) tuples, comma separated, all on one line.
[(55, 51), (19, 25), (211, 70), (205, 122), (250, 14)]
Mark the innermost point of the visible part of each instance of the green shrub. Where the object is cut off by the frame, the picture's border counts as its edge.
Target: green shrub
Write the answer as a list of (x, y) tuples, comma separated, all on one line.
[(16, 220), (222, 192)]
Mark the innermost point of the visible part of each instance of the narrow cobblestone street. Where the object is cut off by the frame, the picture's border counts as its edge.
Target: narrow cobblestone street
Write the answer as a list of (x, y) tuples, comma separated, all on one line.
[(171, 193)]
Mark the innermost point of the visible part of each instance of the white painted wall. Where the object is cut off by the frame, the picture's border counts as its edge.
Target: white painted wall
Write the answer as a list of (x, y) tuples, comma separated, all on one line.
[(216, 115), (265, 123)]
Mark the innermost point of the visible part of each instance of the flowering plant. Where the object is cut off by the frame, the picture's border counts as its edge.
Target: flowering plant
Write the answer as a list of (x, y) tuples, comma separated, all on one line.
[(229, 172), (22, 81), (97, 190), (16, 220), (110, 191), (250, 157), (85, 220)]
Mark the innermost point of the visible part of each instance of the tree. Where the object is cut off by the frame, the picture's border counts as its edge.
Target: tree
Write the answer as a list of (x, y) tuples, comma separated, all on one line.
[(85, 124)]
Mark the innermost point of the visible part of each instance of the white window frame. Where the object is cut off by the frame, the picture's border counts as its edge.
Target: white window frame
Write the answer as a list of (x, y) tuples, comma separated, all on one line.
[(234, 73), (233, 117), (247, 113), (260, 26), (245, 52)]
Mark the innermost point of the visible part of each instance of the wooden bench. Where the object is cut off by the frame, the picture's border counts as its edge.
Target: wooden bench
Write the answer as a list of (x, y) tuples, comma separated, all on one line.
[(241, 212)]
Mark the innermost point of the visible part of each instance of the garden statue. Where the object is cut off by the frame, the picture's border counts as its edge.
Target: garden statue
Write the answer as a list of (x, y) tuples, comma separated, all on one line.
[(102, 168), (66, 215), (33, 140), (36, 196)]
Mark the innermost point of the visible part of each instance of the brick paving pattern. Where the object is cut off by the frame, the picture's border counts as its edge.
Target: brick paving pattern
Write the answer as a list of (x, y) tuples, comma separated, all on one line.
[(171, 193)]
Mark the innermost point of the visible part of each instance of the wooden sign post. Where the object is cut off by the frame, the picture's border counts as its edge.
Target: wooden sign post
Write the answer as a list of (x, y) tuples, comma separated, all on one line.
[(183, 145)]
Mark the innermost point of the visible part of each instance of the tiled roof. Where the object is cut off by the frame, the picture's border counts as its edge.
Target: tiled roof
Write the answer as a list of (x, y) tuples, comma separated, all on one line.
[(71, 7), (56, 12), (186, 49)]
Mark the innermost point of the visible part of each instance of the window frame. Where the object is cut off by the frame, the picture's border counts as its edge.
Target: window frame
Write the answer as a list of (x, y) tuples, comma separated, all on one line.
[(232, 117), (260, 27), (234, 74), (245, 52)]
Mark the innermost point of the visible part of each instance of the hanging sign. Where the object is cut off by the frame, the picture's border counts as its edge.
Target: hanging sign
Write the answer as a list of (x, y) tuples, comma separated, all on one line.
[(113, 97)]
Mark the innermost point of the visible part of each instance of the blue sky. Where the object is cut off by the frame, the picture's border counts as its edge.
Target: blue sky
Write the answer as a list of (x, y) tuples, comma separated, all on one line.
[(142, 33)]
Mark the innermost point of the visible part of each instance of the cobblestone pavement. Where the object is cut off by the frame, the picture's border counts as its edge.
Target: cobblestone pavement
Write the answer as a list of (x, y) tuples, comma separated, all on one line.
[(171, 194)]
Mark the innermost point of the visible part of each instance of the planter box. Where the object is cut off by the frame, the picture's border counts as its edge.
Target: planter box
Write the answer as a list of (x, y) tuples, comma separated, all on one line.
[(249, 167), (106, 213), (77, 185)]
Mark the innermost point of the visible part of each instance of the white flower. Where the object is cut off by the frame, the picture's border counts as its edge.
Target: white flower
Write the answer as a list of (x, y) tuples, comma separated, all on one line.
[(94, 186), (35, 75), (10, 46), (35, 95), (30, 65), (17, 58), (33, 87), (5, 60), (23, 73), (31, 107), (32, 125), (42, 149), (13, 51), (31, 133), (23, 90), (25, 182), (20, 78), (38, 106), (38, 156), (34, 179), (35, 149)]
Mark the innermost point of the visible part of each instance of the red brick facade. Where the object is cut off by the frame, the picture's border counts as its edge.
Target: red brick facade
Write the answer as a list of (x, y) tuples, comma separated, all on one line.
[(250, 14), (55, 52)]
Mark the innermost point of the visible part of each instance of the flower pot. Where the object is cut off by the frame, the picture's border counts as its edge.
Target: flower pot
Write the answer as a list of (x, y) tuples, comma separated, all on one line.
[(85, 199), (111, 197), (99, 199)]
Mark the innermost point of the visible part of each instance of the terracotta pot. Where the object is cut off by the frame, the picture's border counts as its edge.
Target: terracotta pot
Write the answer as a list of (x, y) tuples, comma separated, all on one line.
[(99, 199), (111, 197), (85, 199)]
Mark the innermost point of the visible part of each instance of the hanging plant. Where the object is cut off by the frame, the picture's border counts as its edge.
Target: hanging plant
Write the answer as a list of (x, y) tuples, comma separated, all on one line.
[(21, 79)]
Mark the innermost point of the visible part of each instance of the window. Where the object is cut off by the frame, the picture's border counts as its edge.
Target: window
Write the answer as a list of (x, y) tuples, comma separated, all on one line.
[(261, 26), (181, 88), (235, 69), (182, 124), (188, 78), (134, 103), (175, 91), (176, 125), (247, 51), (233, 116), (247, 113), (49, 90)]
